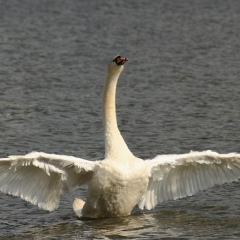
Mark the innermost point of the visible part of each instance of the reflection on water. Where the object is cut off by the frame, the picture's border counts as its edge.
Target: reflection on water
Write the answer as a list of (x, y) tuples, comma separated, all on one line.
[(174, 224), (132, 227)]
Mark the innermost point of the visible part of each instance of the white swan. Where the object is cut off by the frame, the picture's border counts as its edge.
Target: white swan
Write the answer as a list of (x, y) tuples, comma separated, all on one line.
[(120, 181)]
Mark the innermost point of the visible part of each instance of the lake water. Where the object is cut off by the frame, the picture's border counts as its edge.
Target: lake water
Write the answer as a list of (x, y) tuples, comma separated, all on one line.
[(180, 91)]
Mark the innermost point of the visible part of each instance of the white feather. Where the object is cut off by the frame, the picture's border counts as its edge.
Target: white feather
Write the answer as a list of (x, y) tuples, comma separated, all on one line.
[(41, 178), (178, 176)]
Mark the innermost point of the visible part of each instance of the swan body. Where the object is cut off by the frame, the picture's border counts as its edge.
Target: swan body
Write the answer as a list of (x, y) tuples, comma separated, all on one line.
[(119, 182)]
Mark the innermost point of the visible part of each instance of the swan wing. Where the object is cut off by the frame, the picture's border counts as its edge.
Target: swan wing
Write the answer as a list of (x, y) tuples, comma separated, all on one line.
[(177, 176), (41, 178)]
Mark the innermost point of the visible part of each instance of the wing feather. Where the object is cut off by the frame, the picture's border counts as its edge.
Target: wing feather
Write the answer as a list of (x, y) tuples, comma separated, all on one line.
[(177, 176), (42, 178)]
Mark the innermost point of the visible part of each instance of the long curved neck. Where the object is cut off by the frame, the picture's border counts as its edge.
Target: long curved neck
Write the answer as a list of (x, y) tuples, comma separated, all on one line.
[(115, 146)]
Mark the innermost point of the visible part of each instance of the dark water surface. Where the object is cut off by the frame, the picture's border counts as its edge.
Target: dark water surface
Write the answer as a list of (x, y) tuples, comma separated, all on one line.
[(180, 91)]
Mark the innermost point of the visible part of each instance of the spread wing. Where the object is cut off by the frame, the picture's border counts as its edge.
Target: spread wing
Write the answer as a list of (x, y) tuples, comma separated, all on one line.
[(178, 176), (42, 178)]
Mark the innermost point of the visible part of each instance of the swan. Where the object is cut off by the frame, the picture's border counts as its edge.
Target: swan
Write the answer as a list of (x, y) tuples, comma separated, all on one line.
[(119, 182)]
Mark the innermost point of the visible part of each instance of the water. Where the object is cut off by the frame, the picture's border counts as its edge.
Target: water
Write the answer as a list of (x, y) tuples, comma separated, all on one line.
[(180, 91)]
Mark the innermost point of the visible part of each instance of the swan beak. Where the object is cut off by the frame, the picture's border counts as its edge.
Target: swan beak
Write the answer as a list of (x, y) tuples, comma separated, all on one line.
[(120, 60)]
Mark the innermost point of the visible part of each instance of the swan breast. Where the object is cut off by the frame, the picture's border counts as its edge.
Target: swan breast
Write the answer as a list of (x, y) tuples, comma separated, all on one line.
[(115, 189)]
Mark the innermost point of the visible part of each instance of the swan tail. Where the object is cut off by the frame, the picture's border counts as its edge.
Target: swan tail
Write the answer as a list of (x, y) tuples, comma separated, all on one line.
[(78, 206)]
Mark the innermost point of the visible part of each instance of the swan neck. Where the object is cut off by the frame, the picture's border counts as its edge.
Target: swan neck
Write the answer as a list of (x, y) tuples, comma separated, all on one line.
[(115, 145)]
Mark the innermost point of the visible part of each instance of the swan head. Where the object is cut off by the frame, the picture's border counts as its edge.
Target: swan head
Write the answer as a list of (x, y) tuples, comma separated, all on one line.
[(116, 64)]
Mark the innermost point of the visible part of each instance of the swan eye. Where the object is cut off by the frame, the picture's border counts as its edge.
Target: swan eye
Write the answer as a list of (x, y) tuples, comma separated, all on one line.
[(120, 60)]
